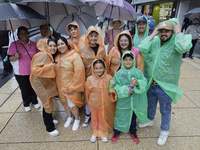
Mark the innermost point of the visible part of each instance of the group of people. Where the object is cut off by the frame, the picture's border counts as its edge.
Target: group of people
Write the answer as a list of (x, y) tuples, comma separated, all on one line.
[(117, 86)]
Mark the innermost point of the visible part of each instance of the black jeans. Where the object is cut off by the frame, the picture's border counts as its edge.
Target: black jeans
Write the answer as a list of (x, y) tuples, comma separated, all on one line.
[(48, 121), (192, 48), (132, 127), (28, 94)]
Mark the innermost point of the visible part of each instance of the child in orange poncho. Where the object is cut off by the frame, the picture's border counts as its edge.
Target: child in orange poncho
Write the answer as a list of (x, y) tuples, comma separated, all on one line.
[(100, 102), (93, 49)]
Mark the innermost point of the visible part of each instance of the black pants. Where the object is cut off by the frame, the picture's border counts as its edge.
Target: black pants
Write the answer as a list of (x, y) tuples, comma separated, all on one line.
[(28, 94), (192, 49), (6, 65), (132, 127), (48, 121)]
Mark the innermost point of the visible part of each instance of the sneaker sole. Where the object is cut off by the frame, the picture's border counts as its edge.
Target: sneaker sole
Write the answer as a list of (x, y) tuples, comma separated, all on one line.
[(85, 125)]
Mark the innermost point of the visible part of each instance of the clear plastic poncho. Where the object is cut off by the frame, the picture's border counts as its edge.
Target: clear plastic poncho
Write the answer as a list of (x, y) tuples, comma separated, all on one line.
[(42, 76), (126, 104), (163, 63), (98, 99)]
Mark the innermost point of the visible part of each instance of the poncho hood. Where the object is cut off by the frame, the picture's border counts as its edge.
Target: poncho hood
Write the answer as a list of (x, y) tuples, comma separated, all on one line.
[(42, 46), (90, 29), (117, 37), (93, 70), (122, 61), (78, 28), (136, 40)]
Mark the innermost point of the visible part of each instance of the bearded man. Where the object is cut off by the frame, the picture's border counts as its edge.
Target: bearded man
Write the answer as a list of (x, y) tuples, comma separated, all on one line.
[(163, 50)]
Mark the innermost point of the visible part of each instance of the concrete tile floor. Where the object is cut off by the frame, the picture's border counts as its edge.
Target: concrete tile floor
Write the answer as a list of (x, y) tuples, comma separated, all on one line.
[(21, 130)]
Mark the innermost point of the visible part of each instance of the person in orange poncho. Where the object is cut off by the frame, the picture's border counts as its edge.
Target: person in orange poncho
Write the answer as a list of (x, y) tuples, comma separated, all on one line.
[(74, 31), (122, 43), (100, 102), (70, 79), (93, 49), (42, 80)]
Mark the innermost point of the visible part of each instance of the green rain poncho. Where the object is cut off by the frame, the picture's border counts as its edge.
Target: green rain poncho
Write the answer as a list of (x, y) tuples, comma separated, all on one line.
[(163, 63), (136, 40), (126, 103)]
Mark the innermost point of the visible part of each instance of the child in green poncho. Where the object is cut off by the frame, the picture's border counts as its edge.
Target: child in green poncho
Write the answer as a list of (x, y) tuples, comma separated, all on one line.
[(130, 85)]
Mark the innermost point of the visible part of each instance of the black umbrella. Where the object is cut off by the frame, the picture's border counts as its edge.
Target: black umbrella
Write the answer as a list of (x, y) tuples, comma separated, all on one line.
[(49, 8), (13, 16), (85, 18)]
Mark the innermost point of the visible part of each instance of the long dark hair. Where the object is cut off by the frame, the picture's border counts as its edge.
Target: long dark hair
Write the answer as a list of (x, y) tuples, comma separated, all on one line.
[(64, 40), (52, 40), (129, 39)]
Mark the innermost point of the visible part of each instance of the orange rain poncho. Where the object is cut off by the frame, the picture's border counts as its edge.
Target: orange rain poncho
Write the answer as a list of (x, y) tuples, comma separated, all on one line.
[(88, 54), (81, 40), (70, 73), (100, 102), (114, 57), (42, 76)]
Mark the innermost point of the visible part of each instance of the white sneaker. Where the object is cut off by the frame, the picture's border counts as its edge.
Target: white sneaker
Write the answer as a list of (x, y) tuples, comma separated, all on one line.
[(86, 121), (27, 109), (55, 122), (104, 140), (54, 133), (37, 106), (68, 122), (162, 138), (93, 138), (76, 124), (148, 124)]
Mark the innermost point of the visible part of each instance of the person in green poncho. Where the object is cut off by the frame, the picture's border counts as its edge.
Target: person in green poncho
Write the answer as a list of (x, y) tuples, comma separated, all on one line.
[(130, 85), (141, 30), (163, 50)]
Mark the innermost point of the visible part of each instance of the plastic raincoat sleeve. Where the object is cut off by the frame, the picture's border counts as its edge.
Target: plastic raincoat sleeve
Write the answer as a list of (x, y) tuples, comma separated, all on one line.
[(40, 68), (86, 91), (142, 85), (145, 45), (183, 42), (122, 90), (79, 74)]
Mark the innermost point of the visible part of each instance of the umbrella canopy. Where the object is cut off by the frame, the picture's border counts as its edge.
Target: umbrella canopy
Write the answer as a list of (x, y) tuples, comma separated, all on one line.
[(49, 8), (14, 16), (84, 21), (85, 18), (116, 9), (194, 13)]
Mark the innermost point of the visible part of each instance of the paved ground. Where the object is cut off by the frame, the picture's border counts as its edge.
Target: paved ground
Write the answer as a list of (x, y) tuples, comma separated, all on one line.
[(26, 131)]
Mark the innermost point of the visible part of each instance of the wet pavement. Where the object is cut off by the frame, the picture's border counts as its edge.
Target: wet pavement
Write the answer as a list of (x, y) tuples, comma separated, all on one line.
[(20, 130)]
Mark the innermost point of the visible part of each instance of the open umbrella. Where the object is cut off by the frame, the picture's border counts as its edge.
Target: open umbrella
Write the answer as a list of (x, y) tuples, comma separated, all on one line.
[(85, 18), (116, 9), (194, 13), (13, 16), (49, 8)]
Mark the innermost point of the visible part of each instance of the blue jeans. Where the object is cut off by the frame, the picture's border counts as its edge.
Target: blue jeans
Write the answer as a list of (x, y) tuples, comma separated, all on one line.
[(155, 94)]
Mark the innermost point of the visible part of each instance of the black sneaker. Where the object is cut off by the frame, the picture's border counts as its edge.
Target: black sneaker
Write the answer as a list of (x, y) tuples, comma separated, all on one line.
[(86, 121)]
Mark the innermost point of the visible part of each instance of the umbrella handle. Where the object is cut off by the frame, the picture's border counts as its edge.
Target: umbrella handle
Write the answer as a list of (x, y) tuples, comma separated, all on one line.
[(13, 35), (110, 16)]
